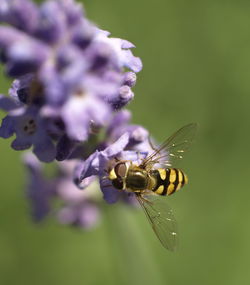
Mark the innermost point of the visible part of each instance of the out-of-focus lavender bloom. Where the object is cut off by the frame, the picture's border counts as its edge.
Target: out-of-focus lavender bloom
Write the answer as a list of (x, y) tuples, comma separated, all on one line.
[(73, 72), (77, 208), (77, 111), (50, 47), (80, 207), (138, 136), (82, 215), (70, 83), (130, 79), (39, 190)]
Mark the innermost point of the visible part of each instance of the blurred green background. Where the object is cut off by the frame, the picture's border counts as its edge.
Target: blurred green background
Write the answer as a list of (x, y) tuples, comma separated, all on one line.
[(196, 57)]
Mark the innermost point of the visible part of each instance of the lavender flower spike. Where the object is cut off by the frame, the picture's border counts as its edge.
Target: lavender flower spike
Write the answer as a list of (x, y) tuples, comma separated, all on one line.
[(71, 81), (71, 72)]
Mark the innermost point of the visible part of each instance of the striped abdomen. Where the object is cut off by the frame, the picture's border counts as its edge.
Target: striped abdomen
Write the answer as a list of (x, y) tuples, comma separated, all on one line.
[(168, 180)]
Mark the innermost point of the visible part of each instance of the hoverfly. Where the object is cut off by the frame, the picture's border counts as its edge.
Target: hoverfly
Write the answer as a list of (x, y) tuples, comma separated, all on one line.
[(150, 183)]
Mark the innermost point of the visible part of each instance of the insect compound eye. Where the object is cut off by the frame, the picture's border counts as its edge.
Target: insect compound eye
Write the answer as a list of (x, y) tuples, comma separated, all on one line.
[(120, 170), (117, 183)]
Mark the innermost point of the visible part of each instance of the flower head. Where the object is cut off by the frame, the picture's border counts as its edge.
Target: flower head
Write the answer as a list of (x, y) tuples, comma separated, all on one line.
[(71, 81), (68, 73)]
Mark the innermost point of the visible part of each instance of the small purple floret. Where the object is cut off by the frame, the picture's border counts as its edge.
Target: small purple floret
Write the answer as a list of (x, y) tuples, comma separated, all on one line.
[(29, 128)]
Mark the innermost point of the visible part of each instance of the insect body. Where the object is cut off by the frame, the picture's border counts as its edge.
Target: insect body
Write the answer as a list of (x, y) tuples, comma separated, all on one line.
[(150, 183), (162, 181)]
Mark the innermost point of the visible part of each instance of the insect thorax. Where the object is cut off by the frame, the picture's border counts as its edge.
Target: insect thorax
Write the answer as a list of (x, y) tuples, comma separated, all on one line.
[(137, 179)]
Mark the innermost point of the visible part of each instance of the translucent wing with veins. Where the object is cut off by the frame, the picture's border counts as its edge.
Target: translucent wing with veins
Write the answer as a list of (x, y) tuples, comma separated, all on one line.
[(174, 147), (161, 219)]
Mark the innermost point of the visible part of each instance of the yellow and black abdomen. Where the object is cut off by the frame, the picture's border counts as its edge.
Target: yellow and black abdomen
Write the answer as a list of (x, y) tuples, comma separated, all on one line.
[(168, 180)]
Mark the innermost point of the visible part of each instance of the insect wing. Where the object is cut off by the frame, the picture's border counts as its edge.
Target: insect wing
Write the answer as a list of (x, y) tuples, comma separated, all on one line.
[(161, 218), (175, 146)]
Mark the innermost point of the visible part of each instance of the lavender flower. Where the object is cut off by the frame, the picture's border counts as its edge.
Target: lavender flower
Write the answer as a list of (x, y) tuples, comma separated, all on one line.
[(71, 81), (73, 72), (78, 208)]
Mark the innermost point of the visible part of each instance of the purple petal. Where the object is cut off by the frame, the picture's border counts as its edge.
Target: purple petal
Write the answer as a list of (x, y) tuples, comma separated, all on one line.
[(126, 44), (25, 57), (20, 13), (100, 113), (111, 151), (72, 65), (129, 79), (73, 11), (7, 104), (77, 124), (64, 148), (8, 36), (55, 91), (105, 88), (120, 119), (21, 143), (78, 113), (110, 194), (52, 24), (125, 95), (87, 168), (7, 128), (83, 34), (138, 135), (132, 62), (134, 156), (45, 150), (116, 147)]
